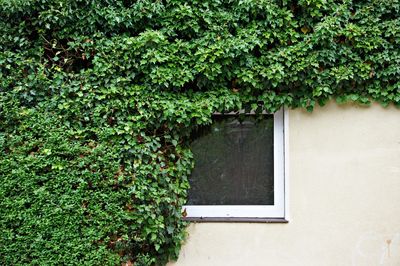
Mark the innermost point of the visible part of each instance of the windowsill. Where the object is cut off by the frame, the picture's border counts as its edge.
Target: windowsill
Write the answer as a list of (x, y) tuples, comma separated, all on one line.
[(234, 220)]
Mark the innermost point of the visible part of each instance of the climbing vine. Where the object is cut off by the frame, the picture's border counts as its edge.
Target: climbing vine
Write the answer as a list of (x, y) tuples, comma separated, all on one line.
[(98, 98)]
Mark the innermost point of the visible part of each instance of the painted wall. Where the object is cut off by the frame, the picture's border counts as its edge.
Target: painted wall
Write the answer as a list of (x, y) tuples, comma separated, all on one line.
[(344, 198)]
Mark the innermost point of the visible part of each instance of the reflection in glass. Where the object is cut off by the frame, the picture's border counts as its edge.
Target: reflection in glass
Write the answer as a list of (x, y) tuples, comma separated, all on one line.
[(233, 162)]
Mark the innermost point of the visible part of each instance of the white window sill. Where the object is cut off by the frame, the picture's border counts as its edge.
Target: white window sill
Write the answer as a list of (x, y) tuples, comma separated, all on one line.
[(235, 219)]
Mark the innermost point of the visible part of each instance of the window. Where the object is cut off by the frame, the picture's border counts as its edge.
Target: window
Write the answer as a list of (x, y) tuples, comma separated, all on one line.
[(239, 169)]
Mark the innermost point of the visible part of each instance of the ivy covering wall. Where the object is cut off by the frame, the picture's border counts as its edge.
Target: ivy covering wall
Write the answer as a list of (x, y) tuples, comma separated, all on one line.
[(98, 98)]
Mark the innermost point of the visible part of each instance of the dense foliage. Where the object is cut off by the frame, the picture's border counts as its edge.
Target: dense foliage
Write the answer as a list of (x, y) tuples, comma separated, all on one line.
[(97, 98)]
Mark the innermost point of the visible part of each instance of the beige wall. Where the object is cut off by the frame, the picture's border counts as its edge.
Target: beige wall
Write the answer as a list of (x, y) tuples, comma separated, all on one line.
[(344, 198)]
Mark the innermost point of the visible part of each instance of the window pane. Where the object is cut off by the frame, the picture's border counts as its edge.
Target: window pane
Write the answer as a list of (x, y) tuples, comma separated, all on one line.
[(233, 163)]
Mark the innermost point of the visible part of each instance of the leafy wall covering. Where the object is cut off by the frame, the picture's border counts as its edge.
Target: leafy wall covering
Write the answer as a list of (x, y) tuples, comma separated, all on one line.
[(98, 98)]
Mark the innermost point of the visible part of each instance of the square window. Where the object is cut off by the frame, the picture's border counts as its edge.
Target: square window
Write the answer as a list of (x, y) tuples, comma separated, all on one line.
[(239, 168)]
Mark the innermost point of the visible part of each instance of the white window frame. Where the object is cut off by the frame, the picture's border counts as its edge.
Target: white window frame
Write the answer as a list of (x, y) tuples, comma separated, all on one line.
[(279, 209)]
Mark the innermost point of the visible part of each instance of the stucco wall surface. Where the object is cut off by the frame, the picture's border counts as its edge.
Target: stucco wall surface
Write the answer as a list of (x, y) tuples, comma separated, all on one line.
[(344, 198)]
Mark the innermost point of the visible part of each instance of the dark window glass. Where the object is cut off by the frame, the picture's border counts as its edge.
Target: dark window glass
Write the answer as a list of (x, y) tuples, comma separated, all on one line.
[(234, 163)]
